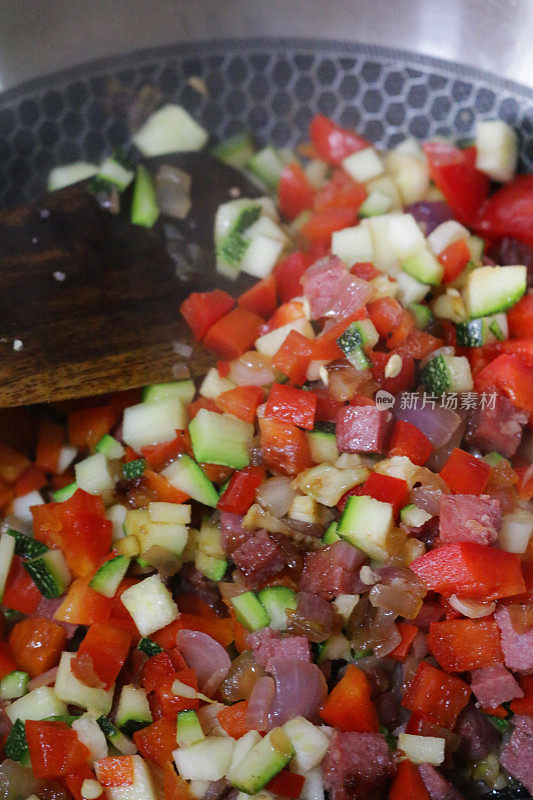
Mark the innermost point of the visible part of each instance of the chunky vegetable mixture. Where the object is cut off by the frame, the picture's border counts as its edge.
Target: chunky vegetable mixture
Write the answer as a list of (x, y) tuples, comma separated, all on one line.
[(312, 573)]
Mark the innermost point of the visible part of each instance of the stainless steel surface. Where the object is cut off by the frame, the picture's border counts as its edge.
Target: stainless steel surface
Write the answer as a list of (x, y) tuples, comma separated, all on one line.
[(41, 36)]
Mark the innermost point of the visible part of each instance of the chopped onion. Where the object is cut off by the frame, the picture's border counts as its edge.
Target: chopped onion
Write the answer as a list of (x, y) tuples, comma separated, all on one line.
[(165, 561), (241, 678), (206, 657), (516, 531), (276, 495), (45, 679), (257, 712), (173, 190), (252, 369), (301, 690), (471, 608)]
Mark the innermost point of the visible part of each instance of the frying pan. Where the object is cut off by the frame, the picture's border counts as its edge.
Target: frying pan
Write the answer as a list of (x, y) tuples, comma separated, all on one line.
[(271, 86)]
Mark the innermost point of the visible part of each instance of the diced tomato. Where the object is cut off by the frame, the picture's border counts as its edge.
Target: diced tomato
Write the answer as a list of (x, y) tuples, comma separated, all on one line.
[(21, 593), (157, 741), (365, 270), (454, 259), (83, 606), (340, 192), (288, 273), (201, 310), (407, 440), (286, 784), (240, 493), (115, 771), (295, 192), (418, 344), (37, 644), (520, 318), (291, 405), (242, 402), (408, 633), (86, 426), (32, 479), (293, 357), (408, 785), (349, 706), (509, 212), (159, 456), (107, 646), (454, 172), (169, 703), (464, 473), (321, 225), (524, 705), (261, 298), (288, 312), (439, 696), (401, 382), (12, 464), (333, 143), (55, 749), (464, 644), (284, 446), (387, 489), (510, 375), (78, 527), (233, 719), (234, 334), (471, 570), (325, 347), (7, 662)]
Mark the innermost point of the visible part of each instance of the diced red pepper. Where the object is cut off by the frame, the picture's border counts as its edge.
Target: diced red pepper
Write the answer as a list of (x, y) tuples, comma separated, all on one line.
[(386, 314), (241, 490), (401, 382), (12, 464), (408, 633), (86, 426), (7, 662), (55, 749), (454, 259), (464, 473), (234, 334), (295, 192), (333, 143), (174, 786), (37, 644), (32, 479), (365, 270), (291, 405), (241, 402), (157, 741), (471, 570), (159, 456), (387, 489), (418, 344), (321, 225), (115, 771), (157, 488), (233, 719), (169, 703), (439, 696), (524, 705), (341, 191), (455, 174), (21, 593), (288, 273), (407, 440), (82, 605), (349, 706), (326, 407), (286, 784), (293, 357), (408, 785), (509, 374), (75, 779), (464, 644), (288, 312), (202, 309), (261, 298), (157, 670), (284, 447), (200, 402), (509, 212), (107, 646), (522, 348), (525, 482)]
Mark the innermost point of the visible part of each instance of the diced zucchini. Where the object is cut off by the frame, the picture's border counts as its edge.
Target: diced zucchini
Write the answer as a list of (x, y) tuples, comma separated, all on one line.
[(422, 749), (65, 493), (261, 254), (367, 523), (149, 647), (405, 236), (447, 374), (93, 476), (277, 600), (69, 689), (476, 247), (16, 747), (305, 508), (414, 516), (108, 577), (323, 446), (188, 731), (176, 513), (353, 245), (496, 149), (116, 514), (26, 546), (376, 203), (7, 551), (115, 737), (409, 289), (208, 759), (115, 170), (262, 763), (38, 704), (134, 469), (170, 129), (210, 540), (331, 534), (142, 787), (249, 611), (188, 477), (50, 573), (68, 174), (213, 384), (109, 446), (361, 333), (144, 207), (422, 314), (363, 165), (235, 151), (483, 330), (267, 165), (213, 568), (270, 343), (232, 221), (309, 743), (220, 439), (150, 604), (385, 256), (133, 711), (14, 685), (492, 289), (423, 266), (184, 389), (154, 422)]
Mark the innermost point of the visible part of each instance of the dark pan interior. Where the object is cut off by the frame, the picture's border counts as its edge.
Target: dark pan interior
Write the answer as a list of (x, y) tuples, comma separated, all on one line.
[(271, 88)]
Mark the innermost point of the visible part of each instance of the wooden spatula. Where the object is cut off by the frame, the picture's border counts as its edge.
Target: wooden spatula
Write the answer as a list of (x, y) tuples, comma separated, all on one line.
[(89, 303)]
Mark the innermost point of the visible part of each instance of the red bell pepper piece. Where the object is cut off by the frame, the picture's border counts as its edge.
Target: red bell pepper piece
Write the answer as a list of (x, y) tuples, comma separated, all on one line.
[(295, 192), (408, 785), (522, 348), (174, 786), (325, 347), (201, 402), (261, 298), (418, 344), (7, 662), (21, 593), (525, 482), (293, 357), (12, 464), (387, 489), (202, 309), (386, 314), (159, 456), (464, 644), (402, 382), (157, 488), (439, 696), (472, 570), (524, 705), (242, 401), (37, 644), (284, 447), (234, 334), (86, 426), (240, 493), (520, 318), (286, 784), (157, 741), (288, 312), (333, 143), (288, 273), (115, 771), (454, 259), (83, 606), (55, 749), (169, 703), (78, 527), (233, 719), (464, 473), (157, 670), (107, 647), (365, 270), (349, 706), (408, 633), (291, 405), (340, 192), (32, 479), (510, 375), (51, 439), (455, 174), (509, 212), (321, 225), (74, 781), (407, 440)]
